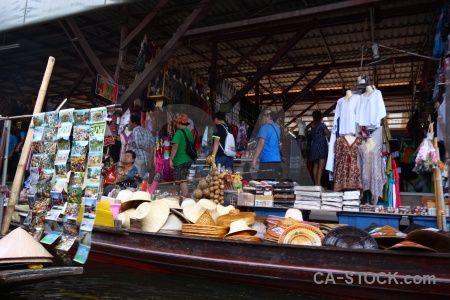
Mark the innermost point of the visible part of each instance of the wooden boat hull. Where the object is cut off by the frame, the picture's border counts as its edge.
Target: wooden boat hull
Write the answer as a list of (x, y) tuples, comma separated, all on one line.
[(17, 277), (319, 270)]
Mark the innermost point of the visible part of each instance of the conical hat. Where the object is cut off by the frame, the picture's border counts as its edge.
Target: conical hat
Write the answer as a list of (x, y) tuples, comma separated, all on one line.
[(194, 212), (173, 202), (20, 244), (153, 215), (205, 219), (223, 210), (172, 223)]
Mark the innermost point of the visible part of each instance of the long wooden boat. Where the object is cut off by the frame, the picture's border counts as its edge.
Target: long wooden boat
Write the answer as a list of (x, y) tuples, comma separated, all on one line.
[(337, 272), (16, 277)]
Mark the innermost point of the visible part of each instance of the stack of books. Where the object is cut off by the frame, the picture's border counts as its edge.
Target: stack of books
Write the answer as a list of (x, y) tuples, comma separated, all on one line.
[(307, 197), (351, 201), (331, 201)]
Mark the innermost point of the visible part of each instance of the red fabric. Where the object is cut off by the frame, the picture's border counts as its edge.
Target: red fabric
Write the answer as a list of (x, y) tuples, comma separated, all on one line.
[(396, 186)]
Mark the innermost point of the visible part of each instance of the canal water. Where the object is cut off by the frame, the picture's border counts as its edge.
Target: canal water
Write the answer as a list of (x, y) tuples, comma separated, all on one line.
[(106, 281)]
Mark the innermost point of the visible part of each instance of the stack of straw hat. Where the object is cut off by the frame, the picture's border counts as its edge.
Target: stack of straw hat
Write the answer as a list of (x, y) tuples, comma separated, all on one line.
[(205, 225), (134, 201), (234, 215), (19, 246), (240, 231), (273, 232), (301, 234), (153, 215)]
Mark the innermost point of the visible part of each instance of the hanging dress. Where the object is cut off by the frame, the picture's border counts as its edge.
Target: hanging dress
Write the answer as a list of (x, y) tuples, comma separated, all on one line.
[(347, 175), (373, 170), (125, 141)]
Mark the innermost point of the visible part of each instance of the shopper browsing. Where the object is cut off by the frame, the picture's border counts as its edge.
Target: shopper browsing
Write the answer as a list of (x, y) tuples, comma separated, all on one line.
[(267, 148), (219, 137), (143, 144)]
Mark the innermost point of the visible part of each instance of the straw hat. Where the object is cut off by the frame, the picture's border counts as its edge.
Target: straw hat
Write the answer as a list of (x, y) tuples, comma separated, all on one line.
[(287, 223), (205, 219), (387, 236), (135, 200), (234, 215), (194, 212), (435, 240), (173, 224), (223, 210), (124, 195), (125, 217), (188, 202), (20, 246), (153, 215), (173, 202), (240, 226), (349, 237), (301, 234), (180, 215), (411, 246), (294, 213)]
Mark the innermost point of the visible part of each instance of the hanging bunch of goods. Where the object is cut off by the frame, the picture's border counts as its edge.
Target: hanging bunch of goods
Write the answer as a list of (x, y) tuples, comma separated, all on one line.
[(426, 158), (213, 186)]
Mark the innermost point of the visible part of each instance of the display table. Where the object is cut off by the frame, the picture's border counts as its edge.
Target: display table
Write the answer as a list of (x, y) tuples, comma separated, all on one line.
[(364, 219), (428, 221)]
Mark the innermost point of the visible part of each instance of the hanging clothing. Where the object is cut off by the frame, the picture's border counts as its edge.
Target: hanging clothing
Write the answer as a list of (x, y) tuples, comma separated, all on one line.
[(346, 111), (370, 110), (396, 192), (441, 116), (125, 140), (347, 175), (373, 170)]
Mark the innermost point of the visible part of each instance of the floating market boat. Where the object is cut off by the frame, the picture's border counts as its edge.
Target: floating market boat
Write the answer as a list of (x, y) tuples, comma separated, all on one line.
[(347, 273)]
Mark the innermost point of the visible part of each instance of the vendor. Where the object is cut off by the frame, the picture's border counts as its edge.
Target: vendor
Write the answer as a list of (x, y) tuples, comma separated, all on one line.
[(125, 172)]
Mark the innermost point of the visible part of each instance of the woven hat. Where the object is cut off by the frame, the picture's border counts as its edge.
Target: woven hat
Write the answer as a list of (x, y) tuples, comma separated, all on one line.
[(223, 210), (205, 219), (124, 195), (125, 217), (411, 246), (387, 236), (434, 240), (234, 215), (287, 223), (172, 224), (183, 119), (301, 235), (188, 202), (180, 215), (240, 226), (349, 237), (294, 213), (153, 215), (194, 212), (244, 238), (20, 246), (173, 202), (136, 199)]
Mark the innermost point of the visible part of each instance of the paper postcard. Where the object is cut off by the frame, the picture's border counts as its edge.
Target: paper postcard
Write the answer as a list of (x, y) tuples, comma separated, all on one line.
[(81, 132), (49, 147), (94, 175), (54, 212), (79, 148), (87, 223), (46, 176), (51, 237), (91, 190), (72, 210), (98, 114), (77, 179), (66, 242), (74, 194), (64, 130), (38, 133), (50, 133), (48, 161), (95, 159), (81, 116), (82, 254), (62, 157), (66, 115), (57, 199), (85, 237), (59, 184), (96, 144), (36, 160), (51, 118), (43, 190), (61, 170), (38, 119), (78, 163), (38, 147), (98, 129), (63, 143)]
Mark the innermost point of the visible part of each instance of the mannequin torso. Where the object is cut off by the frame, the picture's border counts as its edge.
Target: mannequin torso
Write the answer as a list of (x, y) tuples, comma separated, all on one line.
[(348, 95), (369, 90), (370, 144), (350, 138)]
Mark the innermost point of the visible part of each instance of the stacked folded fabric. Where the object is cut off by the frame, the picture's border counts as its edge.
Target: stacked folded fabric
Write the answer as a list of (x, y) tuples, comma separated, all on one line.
[(351, 201), (331, 201), (307, 197)]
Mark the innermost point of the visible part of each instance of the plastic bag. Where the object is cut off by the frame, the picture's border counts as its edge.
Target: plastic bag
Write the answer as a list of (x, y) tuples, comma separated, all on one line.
[(426, 158)]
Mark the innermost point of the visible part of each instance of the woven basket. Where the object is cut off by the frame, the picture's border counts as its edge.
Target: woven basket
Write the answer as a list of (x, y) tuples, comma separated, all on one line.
[(349, 237)]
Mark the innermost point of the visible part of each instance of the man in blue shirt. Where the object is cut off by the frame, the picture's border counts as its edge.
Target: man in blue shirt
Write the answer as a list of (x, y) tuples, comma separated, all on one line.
[(267, 148)]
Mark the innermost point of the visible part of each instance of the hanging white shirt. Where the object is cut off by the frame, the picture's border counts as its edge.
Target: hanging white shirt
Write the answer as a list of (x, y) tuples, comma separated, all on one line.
[(371, 110)]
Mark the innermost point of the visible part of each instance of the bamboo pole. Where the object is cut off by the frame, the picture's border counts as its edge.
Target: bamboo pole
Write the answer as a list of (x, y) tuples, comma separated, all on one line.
[(438, 189), (18, 178)]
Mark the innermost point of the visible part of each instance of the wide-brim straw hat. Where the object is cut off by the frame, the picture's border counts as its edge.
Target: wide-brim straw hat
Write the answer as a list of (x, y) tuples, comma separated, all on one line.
[(173, 224), (349, 237), (434, 240), (240, 226), (299, 234), (198, 230), (223, 210), (173, 202), (188, 202), (287, 223), (153, 215), (387, 236), (136, 199), (294, 213), (411, 247), (180, 216), (244, 238), (234, 215), (20, 246), (194, 212), (124, 195), (125, 217)]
